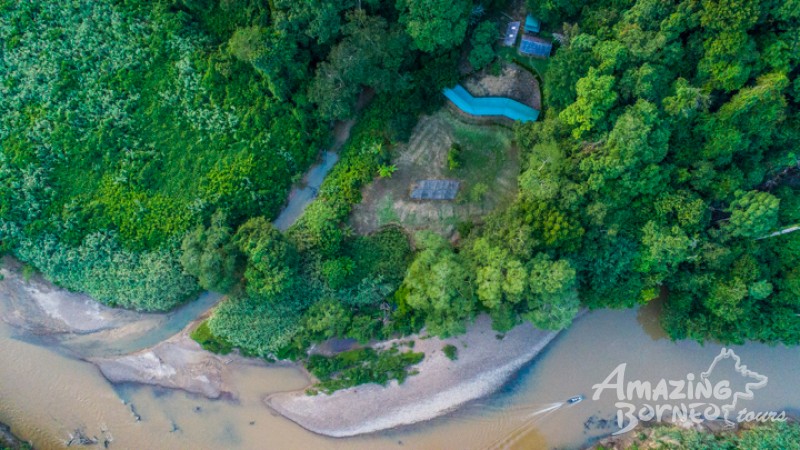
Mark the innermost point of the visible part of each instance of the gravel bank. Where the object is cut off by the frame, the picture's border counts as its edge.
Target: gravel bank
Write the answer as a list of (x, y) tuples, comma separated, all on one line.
[(484, 364)]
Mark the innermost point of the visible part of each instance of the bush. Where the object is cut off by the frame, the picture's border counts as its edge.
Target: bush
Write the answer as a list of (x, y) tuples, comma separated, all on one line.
[(451, 351), (262, 327), (146, 281), (454, 157), (386, 254), (203, 336), (361, 366)]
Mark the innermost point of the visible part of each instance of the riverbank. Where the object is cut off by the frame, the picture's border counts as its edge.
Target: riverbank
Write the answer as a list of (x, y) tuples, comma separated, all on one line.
[(179, 363), (485, 362), (10, 442), (680, 435), (79, 325)]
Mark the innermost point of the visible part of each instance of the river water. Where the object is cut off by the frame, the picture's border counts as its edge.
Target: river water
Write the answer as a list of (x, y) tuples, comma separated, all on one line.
[(46, 394)]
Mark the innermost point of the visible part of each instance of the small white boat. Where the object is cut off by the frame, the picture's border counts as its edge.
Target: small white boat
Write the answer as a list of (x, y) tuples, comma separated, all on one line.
[(574, 400)]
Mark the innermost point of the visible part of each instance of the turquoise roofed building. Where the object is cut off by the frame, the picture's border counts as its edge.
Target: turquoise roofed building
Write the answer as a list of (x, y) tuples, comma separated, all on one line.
[(532, 24)]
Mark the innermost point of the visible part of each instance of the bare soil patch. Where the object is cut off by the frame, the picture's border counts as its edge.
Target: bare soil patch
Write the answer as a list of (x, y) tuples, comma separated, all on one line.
[(512, 82)]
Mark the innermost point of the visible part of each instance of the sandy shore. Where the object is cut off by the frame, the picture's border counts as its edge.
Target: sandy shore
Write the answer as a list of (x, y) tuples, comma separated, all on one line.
[(484, 364)]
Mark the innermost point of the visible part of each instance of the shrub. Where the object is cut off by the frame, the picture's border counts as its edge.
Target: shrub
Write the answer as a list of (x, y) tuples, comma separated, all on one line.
[(361, 366), (451, 351), (203, 336), (454, 157)]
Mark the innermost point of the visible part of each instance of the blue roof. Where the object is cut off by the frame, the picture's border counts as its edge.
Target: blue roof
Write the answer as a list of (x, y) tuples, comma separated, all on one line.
[(531, 45), (490, 106), (532, 24)]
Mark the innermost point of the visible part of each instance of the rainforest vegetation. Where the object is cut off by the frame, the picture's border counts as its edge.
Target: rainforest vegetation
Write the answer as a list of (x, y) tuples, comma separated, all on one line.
[(755, 436), (146, 147)]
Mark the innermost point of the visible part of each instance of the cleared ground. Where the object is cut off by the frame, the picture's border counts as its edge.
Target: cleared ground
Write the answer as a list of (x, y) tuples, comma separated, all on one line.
[(512, 82), (488, 170)]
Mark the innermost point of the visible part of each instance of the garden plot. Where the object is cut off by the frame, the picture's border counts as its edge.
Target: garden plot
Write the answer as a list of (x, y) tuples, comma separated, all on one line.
[(481, 158)]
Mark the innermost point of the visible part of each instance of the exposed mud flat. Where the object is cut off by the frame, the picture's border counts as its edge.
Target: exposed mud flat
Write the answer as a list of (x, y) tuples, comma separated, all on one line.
[(178, 363)]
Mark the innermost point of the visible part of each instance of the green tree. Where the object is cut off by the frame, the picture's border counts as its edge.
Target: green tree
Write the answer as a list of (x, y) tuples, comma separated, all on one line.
[(271, 260), (663, 248), (371, 54), (337, 271), (499, 277), (753, 214), (435, 25), (326, 319), (554, 297), (437, 284), (210, 255), (482, 53), (595, 96)]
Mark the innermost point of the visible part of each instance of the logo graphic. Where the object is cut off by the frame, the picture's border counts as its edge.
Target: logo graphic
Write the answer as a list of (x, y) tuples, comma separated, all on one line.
[(689, 400), (742, 370)]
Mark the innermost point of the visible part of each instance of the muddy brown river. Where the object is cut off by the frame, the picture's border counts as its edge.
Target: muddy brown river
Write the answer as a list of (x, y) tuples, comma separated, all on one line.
[(45, 395)]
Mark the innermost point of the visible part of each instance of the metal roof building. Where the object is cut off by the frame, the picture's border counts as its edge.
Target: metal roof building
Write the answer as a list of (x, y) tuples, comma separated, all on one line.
[(435, 190), (510, 38), (532, 24), (535, 46), (490, 106)]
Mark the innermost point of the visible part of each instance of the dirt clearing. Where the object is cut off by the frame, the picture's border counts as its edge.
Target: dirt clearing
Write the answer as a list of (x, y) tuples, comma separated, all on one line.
[(486, 164)]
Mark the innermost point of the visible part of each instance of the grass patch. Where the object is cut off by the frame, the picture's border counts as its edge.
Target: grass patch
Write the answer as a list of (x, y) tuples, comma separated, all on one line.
[(451, 351), (534, 65), (482, 153), (27, 272), (203, 336), (360, 366), (386, 212)]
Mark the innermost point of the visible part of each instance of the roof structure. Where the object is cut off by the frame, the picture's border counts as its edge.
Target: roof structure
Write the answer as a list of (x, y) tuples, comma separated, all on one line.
[(532, 24), (510, 38), (490, 106), (435, 190), (535, 46)]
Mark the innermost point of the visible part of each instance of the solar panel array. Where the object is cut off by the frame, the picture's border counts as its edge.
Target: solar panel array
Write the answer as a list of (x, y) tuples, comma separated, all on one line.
[(435, 190)]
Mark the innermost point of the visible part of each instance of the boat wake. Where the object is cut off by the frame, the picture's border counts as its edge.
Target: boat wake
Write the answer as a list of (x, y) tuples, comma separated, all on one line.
[(531, 415)]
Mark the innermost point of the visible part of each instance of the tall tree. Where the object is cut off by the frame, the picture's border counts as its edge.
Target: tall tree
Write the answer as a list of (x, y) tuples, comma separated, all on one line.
[(437, 284), (210, 255), (435, 25), (271, 260)]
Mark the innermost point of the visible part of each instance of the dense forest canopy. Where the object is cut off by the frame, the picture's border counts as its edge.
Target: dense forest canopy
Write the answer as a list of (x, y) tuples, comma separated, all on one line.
[(145, 150), (671, 141), (125, 125)]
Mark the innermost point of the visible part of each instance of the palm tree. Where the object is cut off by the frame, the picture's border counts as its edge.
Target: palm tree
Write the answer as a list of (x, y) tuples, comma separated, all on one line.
[(386, 171)]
